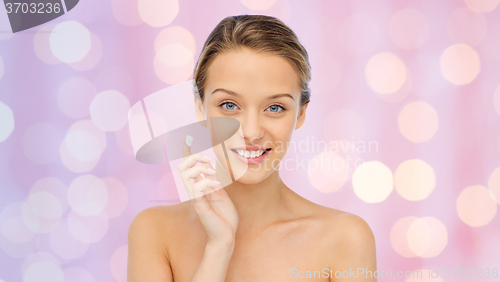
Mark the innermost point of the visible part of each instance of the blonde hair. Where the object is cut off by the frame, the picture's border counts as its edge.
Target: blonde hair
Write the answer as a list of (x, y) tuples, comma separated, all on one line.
[(259, 33)]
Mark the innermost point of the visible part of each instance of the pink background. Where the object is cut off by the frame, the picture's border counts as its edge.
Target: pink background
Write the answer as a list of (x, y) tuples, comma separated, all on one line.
[(418, 78)]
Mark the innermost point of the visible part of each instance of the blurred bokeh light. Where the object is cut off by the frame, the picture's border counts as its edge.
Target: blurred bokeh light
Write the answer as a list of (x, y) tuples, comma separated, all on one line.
[(418, 122), (414, 180), (460, 64), (476, 206)]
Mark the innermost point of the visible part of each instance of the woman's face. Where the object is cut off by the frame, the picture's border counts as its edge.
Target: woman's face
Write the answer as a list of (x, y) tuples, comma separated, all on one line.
[(261, 91)]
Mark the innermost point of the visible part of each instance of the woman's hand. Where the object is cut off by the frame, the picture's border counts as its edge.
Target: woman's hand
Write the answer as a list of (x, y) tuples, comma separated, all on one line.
[(210, 201)]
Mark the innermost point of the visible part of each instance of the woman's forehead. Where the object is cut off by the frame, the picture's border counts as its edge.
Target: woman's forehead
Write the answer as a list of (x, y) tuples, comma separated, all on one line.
[(247, 70)]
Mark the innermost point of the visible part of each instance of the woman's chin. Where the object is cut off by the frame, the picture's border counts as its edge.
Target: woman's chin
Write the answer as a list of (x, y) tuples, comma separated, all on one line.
[(251, 175), (249, 181)]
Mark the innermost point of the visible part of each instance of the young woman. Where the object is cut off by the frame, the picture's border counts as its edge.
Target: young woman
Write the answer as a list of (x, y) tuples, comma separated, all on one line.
[(252, 68)]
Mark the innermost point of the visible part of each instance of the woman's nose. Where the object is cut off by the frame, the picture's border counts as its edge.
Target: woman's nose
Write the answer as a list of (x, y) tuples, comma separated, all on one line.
[(251, 128)]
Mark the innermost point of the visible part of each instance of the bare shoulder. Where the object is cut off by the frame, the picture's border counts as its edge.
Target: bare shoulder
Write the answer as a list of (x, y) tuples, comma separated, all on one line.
[(348, 239), (163, 212), (349, 225), (343, 227), (149, 232), (161, 224), (336, 221), (340, 233), (160, 219)]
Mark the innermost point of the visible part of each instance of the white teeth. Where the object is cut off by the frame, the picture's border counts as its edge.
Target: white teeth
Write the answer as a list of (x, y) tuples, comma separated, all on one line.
[(250, 154)]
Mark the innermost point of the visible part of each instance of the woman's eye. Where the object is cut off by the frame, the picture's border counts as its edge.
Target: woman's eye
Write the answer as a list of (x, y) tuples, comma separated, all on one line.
[(276, 108), (229, 106)]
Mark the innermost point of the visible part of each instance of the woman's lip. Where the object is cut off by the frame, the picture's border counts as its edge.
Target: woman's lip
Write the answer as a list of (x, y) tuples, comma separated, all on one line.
[(250, 148), (252, 161)]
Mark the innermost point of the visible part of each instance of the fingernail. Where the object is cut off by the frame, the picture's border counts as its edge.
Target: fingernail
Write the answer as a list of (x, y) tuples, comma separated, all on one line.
[(211, 170), (189, 140), (215, 181), (206, 158)]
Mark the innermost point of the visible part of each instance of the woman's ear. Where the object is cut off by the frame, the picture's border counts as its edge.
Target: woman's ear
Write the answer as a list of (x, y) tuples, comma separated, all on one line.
[(199, 111), (302, 116)]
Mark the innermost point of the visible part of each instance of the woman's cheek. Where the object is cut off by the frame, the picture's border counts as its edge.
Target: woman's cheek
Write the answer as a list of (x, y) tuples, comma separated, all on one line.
[(287, 129), (281, 139)]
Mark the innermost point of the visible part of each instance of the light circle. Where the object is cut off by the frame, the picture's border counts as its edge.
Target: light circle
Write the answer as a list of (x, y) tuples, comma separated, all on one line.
[(88, 126), (65, 245), (73, 163), (439, 237), (419, 236), (125, 12), (45, 205), (482, 5), (88, 229), (399, 236), (87, 195), (109, 110), (157, 13), (175, 34), (6, 122), (174, 55), (70, 41), (77, 274), (476, 206), (414, 180), (372, 182), (427, 236), (418, 122), (83, 146), (38, 217), (41, 44), (117, 197), (15, 230), (46, 270), (92, 58), (494, 184), (460, 64), (118, 263), (385, 73), (327, 172)]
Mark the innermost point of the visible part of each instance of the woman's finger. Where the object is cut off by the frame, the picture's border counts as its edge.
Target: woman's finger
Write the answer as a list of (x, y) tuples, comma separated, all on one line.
[(191, 161), (203, 186), (189, 158), (195, 172), (213, 176), (188, 184), (201, 199), (186, 147)]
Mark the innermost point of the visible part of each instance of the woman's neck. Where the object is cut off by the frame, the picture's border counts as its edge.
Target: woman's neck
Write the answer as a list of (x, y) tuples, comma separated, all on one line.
[(258, 205)]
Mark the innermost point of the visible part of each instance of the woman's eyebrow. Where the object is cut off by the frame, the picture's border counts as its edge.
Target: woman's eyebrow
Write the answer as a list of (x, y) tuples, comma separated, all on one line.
[(226, 91), (281, 95), (236, 94)]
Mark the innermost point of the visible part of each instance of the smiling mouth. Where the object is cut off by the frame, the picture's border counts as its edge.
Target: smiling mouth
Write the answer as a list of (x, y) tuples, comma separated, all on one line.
[(251, 154)]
